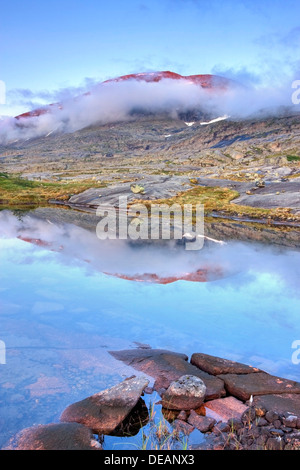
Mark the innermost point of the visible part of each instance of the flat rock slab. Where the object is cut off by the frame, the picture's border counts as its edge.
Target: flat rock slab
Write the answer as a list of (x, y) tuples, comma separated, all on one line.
[(216, 365), (244, 385), (166, 366), (272, 196), (155, 187), (64, 436), (105, 411), (226, 408), (281, 403)]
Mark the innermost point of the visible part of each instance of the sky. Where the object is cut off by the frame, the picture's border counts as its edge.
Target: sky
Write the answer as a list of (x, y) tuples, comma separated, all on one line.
[(50, 46)]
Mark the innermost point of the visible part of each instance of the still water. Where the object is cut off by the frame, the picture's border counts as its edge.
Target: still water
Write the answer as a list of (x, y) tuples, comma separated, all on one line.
[(64, 306)]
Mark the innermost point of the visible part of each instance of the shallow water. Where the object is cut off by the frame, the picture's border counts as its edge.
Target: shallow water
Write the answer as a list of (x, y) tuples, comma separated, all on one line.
[(60, 314)]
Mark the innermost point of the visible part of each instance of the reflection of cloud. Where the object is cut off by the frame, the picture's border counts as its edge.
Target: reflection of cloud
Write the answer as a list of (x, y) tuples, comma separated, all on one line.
[(46, 307), (268, 364), (275, 269)]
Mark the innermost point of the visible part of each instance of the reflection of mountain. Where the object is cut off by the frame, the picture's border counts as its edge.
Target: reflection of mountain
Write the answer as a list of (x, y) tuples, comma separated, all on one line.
[(207, 274), (204, 274)]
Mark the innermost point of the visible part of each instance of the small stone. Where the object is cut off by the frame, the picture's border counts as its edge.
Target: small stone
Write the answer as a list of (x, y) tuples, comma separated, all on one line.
[(262, 422), (202, 423), (186, 393), (277, 423), (265, 430), (182, 427), (271, 416), (290, 420), (261, 441), (221, 428), (254, 431), (277, 432), (286, 429)]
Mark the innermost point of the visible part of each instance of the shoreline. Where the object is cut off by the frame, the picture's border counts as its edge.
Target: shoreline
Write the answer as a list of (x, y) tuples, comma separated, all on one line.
[(243, 408)]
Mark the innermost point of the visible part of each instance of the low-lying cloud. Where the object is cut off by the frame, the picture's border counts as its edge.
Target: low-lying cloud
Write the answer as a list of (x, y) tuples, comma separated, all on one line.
[(115, 101)]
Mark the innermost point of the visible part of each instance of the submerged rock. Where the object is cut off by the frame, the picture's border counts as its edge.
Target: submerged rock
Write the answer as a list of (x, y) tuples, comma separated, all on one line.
[(186, 393), (105, 411), (64, 436), (226, 408)]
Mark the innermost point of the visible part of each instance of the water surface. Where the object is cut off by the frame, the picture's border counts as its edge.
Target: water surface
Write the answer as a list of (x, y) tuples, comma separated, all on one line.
[(61, 314)]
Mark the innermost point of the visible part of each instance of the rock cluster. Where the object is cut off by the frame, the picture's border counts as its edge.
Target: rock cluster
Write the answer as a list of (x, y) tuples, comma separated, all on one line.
[(235, 405), (257, 429)]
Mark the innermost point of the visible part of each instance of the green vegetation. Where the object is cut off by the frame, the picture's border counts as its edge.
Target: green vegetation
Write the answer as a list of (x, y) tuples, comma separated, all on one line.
[(293, 158), (17, 191), (216, 199), (160, 435)]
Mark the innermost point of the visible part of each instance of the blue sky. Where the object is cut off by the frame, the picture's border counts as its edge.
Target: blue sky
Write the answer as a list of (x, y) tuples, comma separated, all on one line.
[(47, 46)]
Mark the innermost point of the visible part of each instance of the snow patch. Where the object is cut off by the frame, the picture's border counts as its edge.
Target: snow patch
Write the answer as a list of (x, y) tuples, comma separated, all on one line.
[(222, 118)]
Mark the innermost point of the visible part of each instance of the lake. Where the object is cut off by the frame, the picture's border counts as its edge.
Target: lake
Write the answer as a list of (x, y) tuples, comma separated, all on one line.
[(67, 299)]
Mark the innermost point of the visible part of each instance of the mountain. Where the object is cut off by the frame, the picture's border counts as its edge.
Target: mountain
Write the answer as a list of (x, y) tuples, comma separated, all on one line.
[(205, 81), (211, 83), (242, 168)]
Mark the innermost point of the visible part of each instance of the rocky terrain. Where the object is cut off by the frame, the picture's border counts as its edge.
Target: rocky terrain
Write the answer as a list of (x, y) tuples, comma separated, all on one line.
[(258, 160), (225, 404)]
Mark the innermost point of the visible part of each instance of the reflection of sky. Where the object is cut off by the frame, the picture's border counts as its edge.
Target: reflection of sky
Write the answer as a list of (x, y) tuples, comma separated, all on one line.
[(59, 317)]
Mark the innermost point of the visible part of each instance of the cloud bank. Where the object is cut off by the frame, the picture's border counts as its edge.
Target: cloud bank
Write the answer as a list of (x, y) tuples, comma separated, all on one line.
[(115, 101)]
